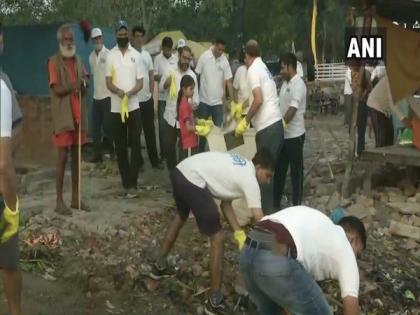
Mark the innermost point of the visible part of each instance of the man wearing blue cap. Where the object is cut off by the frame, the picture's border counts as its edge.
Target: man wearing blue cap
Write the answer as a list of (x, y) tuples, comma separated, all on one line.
[(124, 79), (10, 115)]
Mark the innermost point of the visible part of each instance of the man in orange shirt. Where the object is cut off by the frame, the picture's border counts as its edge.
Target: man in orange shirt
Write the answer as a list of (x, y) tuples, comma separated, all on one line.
[(67, 80)]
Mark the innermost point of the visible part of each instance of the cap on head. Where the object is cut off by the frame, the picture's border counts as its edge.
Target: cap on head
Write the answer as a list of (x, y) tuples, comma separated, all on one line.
[(96, 32), (181, 43), (121, 24)]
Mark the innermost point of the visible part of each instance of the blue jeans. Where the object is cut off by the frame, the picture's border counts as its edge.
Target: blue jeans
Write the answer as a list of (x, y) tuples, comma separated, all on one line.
[(216, 113), (272, 138), (161, 124), (278, 281)]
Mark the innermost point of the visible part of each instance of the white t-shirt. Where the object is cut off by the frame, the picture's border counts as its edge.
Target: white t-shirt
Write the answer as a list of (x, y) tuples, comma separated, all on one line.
[(146, 64), (170, 110), (240, 83), (269, 112), (6, 120), (380, 99), (378, 72), (97, 64), (293, 93), (299, 69), (162, 65), (228, 176), (347, 83), (213, 74), (322, 247), (127, 70)]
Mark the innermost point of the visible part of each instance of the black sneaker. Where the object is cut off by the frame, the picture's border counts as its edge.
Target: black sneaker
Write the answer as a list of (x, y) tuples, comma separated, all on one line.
[(159, 273), (219, 309)]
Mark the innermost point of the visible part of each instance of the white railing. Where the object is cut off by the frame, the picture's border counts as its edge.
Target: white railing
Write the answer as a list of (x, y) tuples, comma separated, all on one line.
[(330, 72)]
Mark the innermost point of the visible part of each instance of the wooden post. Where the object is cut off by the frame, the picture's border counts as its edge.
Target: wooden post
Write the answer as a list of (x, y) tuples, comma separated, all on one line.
[(356, 84)]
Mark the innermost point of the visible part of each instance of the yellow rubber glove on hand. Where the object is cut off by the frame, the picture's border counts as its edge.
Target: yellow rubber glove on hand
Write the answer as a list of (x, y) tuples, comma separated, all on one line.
[(236, 110), (205, 122), (10, 223), (202, 131), (240, 238), (124, 108), (241, 127), (284, 124), (172, 86)]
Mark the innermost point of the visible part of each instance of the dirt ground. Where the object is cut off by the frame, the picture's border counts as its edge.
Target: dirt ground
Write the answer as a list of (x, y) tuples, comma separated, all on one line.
[(96, 263)]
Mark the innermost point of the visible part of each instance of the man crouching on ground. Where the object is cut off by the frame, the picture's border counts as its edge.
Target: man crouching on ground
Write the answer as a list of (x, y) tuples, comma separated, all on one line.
[(196, 181), (286, 252)]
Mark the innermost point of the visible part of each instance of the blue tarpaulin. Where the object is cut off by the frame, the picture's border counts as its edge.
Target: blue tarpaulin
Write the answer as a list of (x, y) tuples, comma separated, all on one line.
[(27, 49)]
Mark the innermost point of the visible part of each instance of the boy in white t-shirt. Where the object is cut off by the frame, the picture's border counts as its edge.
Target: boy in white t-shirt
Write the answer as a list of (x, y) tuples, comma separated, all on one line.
[(288, 251), (196, 182), (293, 107)]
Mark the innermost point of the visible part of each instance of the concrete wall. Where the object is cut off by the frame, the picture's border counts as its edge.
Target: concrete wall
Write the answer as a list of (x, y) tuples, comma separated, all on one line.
[(36, 135)]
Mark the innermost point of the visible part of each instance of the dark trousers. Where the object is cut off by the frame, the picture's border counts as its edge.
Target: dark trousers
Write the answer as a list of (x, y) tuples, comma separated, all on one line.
[(271, 138), (172, 142), (348, 106), (127, 135), (291, 153), (161, 123), (362, 116), (205, 111), (382, 127), (100, 120), (147, 117)]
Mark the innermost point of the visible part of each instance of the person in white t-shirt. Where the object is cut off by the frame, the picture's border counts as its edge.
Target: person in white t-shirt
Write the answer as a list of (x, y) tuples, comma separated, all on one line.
[(173, 77), (293, 107), (146, 103), (10, 116), (9, 206), (348, 97), (101, 95), (196, 182), (163, 62), (264, 113), (213, 70), (124, 79), (288, 251), (241, 91)]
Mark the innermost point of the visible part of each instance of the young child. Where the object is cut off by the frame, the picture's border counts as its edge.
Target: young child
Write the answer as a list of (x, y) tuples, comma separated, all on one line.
[(185, 116)]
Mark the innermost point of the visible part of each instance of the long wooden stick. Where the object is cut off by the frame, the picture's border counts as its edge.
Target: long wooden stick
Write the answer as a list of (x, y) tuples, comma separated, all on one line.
[(79, 156)]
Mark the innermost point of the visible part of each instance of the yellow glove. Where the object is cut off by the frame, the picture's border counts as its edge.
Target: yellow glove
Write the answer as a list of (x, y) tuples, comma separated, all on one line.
[(172, 86), (205, 122), (236, 110), (284, 124), (9, 223), (202, 131), (240, 238), (241, 127), (124, 108)]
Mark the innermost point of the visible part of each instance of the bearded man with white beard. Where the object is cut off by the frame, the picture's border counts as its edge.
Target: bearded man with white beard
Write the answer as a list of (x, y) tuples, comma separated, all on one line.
[(67, 80)]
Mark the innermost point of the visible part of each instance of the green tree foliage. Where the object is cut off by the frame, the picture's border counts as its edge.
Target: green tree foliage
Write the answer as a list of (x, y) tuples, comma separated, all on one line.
[(274, 23)]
